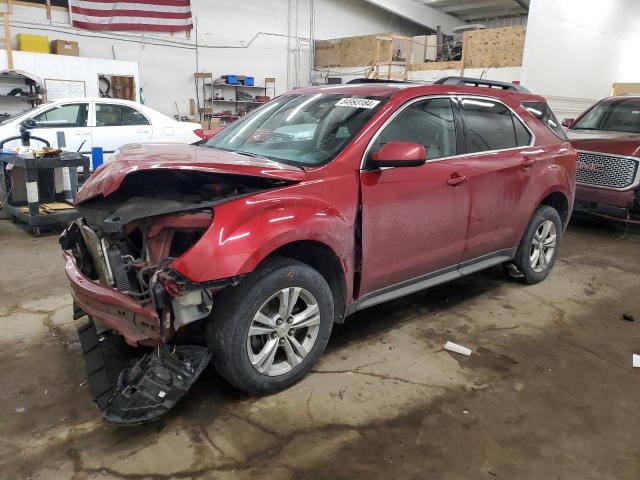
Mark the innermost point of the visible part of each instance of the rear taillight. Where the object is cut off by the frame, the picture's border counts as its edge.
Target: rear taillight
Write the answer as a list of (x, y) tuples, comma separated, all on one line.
[(199, 132)]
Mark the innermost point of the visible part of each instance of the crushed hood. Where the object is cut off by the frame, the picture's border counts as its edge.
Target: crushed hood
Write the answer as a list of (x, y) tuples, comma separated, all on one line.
[(614, 143), (169, 156)]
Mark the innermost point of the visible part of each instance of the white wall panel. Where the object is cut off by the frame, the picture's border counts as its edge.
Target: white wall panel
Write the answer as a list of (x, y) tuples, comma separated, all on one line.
[(576, 49), (240, 36)]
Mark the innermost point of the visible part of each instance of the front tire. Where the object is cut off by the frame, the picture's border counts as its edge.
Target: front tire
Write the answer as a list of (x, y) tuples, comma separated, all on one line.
[(539, 247), (268, 331)]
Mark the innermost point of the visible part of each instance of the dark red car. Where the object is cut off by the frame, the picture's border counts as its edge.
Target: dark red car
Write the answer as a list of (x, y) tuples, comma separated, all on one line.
[(322, 202), (607, 137)]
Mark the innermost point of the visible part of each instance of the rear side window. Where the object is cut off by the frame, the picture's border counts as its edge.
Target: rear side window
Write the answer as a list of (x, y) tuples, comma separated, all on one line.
[(542, 112), (492, 126), (115, 115)]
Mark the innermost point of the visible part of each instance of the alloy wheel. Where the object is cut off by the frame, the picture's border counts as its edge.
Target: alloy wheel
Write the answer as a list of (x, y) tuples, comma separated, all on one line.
[(283, 331), (543, 246)]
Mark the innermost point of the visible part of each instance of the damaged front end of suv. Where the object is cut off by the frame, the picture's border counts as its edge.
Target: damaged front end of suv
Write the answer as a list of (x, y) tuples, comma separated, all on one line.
[(137, 220)]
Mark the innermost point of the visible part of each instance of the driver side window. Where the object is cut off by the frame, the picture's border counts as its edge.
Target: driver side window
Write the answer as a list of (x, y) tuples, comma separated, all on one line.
[(63, 116), (429, 123)]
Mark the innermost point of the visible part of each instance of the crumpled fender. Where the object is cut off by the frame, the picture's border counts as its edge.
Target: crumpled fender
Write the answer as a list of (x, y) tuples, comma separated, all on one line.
[(247, 230)]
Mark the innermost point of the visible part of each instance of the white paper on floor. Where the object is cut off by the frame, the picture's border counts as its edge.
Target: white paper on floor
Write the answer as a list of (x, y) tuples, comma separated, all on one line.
[(636, 360), (454, 347)]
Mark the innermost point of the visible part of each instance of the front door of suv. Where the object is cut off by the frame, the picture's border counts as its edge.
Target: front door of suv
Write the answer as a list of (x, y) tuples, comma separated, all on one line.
[(501, 165), (414, 219)]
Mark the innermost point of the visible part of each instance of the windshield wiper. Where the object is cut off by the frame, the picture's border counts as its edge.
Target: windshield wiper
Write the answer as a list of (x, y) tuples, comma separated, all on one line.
[(251, 154)]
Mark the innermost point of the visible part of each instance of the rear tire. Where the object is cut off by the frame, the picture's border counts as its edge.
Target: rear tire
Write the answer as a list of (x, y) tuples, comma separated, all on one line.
[(538, 248), (268, 331)]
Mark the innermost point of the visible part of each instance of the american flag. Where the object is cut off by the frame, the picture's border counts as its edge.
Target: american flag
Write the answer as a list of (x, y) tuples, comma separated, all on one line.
[(133, 15)]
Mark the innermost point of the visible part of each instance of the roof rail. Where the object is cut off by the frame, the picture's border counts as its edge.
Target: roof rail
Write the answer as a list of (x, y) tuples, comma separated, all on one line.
[(376, 80), (479, 82)]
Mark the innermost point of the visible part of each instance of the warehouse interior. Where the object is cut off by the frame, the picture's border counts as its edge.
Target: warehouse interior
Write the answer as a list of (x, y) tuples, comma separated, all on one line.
[(441, 303)]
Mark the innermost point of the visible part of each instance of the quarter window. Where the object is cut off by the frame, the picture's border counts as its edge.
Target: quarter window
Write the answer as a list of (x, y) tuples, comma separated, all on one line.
[(429, 123), (63, 116), (114, 115), (492, 126), (542, 112)]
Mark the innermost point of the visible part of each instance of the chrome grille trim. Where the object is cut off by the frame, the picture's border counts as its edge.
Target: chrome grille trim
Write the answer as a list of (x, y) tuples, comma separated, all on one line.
[(614, 172)]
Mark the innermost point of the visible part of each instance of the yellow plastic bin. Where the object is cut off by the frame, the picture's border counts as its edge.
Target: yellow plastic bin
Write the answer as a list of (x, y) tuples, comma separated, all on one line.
[(33, 43)]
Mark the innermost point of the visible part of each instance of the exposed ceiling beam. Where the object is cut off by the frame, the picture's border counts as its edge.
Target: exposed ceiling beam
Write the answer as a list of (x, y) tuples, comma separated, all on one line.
[(505, 12), (454, 9), (523, 3), (418, 13)]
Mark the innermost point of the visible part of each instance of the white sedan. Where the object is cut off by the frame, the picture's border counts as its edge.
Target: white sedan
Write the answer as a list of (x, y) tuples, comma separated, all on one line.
[(98, 122)]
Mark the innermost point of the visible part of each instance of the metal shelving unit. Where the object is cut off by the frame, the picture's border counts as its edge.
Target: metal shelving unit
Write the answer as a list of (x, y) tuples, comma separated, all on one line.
[(209, 107), (12, 104)]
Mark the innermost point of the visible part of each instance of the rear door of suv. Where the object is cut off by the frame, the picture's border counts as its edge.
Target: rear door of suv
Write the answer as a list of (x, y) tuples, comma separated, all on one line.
[(501, 163)]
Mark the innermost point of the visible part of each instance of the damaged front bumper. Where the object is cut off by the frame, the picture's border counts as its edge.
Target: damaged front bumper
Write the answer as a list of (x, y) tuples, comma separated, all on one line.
[(145, 314), (117, 311)]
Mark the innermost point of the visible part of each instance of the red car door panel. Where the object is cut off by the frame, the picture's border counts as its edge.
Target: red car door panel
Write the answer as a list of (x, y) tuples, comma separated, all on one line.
[(413, 222), (414, 219)]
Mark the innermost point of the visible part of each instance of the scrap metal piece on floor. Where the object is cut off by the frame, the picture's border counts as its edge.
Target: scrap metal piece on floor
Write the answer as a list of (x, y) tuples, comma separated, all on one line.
[(155, 383)]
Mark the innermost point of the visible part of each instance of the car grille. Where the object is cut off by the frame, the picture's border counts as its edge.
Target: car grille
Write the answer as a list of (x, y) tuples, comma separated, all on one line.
[(605, 170)]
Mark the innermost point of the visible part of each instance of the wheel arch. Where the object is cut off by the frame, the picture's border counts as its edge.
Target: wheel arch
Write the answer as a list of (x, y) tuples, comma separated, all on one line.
[(559, 201), (322, 258)]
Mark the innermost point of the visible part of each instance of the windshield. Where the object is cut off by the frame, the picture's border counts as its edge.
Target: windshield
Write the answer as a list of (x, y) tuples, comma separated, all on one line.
[(620, 115), (302, 130)]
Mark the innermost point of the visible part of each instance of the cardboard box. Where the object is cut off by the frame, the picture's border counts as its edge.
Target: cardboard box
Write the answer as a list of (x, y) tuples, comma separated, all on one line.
[(65, 47), (33, 43)]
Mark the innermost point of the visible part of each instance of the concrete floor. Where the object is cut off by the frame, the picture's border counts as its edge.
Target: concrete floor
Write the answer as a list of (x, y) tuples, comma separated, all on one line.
[(549, 392)]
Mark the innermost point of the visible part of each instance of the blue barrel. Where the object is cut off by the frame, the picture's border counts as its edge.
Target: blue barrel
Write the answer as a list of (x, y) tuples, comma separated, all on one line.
[(96, 157)]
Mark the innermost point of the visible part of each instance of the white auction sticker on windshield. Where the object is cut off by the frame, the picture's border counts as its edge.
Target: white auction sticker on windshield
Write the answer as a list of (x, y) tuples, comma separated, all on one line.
[(357, 103)]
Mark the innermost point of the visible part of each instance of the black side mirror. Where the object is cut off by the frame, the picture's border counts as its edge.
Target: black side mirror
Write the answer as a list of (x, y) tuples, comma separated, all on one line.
[(29, 123)]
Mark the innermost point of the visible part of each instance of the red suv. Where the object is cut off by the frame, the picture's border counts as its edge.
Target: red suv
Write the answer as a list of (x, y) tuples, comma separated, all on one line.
[(322, 202), (607, 137)]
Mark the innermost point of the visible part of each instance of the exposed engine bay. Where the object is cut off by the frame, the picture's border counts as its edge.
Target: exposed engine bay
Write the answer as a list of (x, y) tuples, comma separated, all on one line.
[(126, 243), (128, 240)]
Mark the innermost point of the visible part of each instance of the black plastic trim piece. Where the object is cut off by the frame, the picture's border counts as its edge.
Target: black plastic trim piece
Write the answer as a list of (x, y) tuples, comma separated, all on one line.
[(155, 383), (479, 82), (377, 80), (431, 279)]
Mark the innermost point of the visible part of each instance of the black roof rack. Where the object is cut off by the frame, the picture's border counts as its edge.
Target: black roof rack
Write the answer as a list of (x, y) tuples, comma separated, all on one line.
[(479, 82), (375, 80)]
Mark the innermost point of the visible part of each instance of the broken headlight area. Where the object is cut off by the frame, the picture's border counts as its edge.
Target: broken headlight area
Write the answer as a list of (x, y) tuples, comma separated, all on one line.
[(136, 262), (128, 239)]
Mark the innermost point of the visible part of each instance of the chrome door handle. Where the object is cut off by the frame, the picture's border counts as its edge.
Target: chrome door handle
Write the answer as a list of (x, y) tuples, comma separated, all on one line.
[(528, 162), (83, 134)]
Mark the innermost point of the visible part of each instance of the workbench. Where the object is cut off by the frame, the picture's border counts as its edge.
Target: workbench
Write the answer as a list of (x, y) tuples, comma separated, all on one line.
[(42, 207)]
